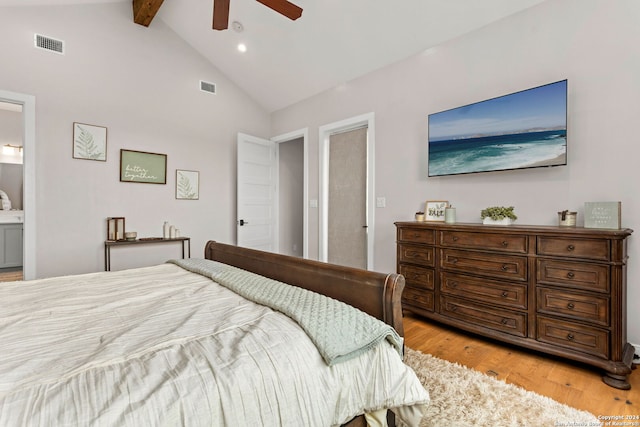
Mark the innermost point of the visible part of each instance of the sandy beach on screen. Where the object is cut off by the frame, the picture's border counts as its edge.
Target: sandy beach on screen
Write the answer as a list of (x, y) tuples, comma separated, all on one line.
[(560, 160)]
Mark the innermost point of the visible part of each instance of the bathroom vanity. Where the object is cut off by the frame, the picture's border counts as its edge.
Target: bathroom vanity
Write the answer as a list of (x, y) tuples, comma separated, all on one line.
[(11, 226)]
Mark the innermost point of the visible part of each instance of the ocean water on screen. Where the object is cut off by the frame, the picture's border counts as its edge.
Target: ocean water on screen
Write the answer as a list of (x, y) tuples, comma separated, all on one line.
[(498, 152)]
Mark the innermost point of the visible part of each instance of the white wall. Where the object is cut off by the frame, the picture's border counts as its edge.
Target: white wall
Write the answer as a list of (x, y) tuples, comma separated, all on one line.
[(142, 84), (592, 43)]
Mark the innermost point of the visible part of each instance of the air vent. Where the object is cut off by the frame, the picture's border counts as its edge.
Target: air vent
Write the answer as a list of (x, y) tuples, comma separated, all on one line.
[(207, 87), (47, 43)]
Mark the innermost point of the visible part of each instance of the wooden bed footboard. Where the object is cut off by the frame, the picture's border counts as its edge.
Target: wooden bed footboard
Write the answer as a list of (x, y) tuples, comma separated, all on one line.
[(377, 294)]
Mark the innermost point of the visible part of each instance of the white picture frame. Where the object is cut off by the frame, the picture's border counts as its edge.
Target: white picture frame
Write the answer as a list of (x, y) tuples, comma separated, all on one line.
[(434, 210), (187, 184), (89, 142)]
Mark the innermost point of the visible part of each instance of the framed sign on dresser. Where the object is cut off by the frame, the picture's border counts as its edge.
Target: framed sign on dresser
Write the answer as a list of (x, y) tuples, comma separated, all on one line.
[(557, 290)]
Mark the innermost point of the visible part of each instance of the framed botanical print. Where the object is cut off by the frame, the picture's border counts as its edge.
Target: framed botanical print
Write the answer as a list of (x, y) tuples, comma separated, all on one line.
[(187, 185), (89, 142)]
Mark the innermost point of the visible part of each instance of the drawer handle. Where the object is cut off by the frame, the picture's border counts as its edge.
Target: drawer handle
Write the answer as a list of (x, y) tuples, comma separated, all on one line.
[(454, 307), (504, 321), (570, 337), (454, 284), (570, 306), (570, 248), (416, 276), (505, 294), (454, 238), (505, 267), (454, 260), (505, 243), (416, 234), (571, 275)]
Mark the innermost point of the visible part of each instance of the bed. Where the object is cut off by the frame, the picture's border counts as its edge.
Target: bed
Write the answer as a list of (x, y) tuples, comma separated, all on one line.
[(195, 342)]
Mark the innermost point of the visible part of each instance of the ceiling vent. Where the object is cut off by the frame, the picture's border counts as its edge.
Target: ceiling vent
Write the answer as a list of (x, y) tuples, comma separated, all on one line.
[(48, 43), (207, 87)]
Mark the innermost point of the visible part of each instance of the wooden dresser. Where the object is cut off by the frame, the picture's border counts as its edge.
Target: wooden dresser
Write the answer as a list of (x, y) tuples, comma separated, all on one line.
[(558, 290)]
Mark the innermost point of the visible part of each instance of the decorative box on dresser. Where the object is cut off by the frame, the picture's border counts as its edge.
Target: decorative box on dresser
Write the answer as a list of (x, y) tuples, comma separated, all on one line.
[(557, 290)]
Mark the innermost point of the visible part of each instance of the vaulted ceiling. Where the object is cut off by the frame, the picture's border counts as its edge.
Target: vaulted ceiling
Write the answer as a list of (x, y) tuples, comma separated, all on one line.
[(334, 41)]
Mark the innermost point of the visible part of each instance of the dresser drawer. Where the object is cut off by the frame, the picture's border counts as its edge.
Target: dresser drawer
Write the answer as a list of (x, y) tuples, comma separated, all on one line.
[(423, 255), (593, 309), (417, 277), (489, 317), (489, 265), (573, 336), (578, 275), (492, 241), (418, 298), (574, 248), (510, 295), (419, 235)]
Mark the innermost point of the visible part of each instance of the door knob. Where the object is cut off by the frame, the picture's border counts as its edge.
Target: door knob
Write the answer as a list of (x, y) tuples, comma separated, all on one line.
[(242, 222)]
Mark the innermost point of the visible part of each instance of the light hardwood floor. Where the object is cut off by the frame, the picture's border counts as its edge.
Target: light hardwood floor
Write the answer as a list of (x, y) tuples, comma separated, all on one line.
[(568, 382), (10, 274)]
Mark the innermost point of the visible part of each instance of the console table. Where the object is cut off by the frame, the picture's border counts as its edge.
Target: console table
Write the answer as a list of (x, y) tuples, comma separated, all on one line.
[(558, 290), (108, 244)]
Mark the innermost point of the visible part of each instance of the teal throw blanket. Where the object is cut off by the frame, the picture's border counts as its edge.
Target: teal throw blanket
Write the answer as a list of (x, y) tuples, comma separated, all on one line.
[(339, 331)]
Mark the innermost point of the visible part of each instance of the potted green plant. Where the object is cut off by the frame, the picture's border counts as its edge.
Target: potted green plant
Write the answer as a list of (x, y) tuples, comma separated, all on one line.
[(498, 215)]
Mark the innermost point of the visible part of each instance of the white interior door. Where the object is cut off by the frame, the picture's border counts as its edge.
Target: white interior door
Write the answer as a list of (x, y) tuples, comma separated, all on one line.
[(257, 193)]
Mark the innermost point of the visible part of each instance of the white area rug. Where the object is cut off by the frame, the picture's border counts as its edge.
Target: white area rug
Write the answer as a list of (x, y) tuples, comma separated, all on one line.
[(462, 397)]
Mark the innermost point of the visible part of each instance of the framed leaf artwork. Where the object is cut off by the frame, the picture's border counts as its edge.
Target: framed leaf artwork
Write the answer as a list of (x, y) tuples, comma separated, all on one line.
[(89, 142), (187, 185)]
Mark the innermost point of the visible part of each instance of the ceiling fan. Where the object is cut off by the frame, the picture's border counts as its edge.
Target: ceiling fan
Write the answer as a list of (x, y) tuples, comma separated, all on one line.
[(283, 7), (145, 10)]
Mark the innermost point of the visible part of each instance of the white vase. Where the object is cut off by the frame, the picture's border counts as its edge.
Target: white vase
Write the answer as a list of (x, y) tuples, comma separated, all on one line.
[(503, 221)]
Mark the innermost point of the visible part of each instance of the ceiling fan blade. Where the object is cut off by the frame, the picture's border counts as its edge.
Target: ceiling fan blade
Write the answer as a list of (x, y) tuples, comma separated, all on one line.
[(220, 14), (283, 7)]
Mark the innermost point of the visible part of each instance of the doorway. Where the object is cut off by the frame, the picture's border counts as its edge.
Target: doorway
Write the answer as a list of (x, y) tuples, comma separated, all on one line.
[(347, 192), (272, 193), (293, 192), (27, 124)]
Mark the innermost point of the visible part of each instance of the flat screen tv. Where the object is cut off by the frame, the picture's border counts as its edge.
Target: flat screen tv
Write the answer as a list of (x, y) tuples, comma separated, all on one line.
[(525, 129)]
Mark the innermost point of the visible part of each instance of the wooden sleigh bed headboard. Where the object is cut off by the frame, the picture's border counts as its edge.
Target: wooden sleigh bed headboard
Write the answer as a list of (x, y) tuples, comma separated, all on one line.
[(377, 294)]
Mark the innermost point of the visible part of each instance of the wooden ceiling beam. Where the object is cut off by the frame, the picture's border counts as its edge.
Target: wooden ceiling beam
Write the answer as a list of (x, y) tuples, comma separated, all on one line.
[(220, 14), (145, 10)]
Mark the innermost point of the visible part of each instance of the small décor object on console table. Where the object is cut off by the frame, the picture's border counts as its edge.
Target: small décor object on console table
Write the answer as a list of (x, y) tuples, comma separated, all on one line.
[(115, 228), (419, 216), (498, 215)]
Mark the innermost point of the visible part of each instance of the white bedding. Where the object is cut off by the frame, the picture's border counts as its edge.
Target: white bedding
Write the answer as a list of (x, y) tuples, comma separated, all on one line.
[(163, 346)]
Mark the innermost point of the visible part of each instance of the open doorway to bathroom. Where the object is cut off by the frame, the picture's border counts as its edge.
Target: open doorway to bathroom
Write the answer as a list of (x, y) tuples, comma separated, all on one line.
[(11, 192)]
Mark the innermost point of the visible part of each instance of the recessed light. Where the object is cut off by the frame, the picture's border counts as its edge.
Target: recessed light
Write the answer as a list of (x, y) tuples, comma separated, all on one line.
[(242, 47)]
